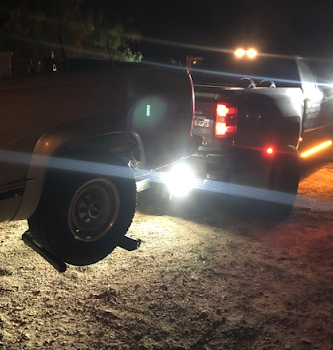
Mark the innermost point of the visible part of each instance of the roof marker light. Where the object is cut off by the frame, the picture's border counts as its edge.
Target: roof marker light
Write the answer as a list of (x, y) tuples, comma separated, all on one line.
[(251, 53), (240, 52)]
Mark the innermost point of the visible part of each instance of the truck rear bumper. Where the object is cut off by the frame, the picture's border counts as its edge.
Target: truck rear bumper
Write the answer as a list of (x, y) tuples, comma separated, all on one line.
[(247, 168), (156, 175)]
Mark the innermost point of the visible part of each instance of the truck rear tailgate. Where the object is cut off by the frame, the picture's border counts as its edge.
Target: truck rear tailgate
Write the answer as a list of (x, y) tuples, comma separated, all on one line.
[(203, 123), (215, 119)]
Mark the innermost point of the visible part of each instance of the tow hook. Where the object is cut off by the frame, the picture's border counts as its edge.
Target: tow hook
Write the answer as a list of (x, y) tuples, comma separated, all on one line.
[(128, 243)]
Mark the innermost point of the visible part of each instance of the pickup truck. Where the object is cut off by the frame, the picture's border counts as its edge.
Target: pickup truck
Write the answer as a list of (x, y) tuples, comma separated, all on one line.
[(259, 121), (76, 146)]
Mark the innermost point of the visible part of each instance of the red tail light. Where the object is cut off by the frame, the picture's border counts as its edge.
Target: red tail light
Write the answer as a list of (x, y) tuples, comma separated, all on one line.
[(270, 150), (226, 120)]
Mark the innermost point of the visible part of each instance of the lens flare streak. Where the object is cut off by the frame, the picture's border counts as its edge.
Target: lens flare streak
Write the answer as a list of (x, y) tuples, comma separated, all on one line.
[(158, 177)]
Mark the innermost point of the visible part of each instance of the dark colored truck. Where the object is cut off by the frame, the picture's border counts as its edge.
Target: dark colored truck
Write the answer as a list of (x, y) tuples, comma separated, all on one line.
[(257, 126), (76, 146)]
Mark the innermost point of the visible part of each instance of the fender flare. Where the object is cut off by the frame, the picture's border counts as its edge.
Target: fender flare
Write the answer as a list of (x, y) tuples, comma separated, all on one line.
[(49, 145)]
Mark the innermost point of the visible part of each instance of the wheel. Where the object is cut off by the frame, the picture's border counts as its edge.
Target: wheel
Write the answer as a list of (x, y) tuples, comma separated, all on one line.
[(82, 214), (283, 184)]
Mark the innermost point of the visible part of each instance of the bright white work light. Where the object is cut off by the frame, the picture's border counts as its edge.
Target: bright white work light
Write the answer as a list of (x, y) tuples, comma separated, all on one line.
[(180, 180)]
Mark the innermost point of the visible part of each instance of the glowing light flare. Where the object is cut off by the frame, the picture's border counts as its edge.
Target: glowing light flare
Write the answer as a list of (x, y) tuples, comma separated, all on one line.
[(252, 53), (222, 110), (316, 149), (240, 53), (148, 111), (226, 116), (180, 180), (269, 150), (220, 128)]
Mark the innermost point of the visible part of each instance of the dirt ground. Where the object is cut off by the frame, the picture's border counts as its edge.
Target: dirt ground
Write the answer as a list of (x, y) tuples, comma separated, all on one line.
[(211, 278)]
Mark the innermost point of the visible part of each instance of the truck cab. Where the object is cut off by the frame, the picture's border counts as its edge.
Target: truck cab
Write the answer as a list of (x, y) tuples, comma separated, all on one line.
[(258, 120)]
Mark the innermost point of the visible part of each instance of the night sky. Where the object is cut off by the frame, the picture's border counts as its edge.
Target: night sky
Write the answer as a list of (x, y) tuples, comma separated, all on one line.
[(279, 27)]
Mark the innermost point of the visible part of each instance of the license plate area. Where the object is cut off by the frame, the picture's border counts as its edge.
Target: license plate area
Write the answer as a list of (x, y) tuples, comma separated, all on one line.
[(201, 121), (203, 127)]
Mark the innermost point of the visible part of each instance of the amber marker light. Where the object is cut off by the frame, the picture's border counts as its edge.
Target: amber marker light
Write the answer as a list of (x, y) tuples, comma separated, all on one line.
[(316, 149)]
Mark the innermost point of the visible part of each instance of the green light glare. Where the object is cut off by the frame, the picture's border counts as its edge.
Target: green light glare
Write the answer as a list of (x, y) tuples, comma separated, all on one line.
[(149, 112)]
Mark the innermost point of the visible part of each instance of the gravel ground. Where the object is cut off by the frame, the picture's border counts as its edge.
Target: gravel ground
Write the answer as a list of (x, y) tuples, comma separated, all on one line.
[(211, 278)]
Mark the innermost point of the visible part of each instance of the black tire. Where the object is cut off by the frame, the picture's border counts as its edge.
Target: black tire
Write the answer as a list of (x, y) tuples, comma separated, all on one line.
[(283, 184), (83, 213)]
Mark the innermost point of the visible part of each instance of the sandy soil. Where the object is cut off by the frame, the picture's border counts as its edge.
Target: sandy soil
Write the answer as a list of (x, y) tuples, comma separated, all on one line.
[(213, 278)]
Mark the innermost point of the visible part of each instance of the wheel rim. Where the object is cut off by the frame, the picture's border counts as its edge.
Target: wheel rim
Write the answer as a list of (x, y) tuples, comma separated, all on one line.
[(93, 209)]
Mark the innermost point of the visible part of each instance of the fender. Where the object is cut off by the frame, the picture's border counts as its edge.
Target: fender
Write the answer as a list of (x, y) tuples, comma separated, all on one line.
[(80, 133)]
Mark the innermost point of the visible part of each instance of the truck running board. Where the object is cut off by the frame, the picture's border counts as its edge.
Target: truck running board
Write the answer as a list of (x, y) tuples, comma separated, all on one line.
[(126, 242)]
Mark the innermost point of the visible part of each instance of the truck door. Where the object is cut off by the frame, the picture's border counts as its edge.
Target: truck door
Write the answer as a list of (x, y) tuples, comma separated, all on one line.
[(313, 97)]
